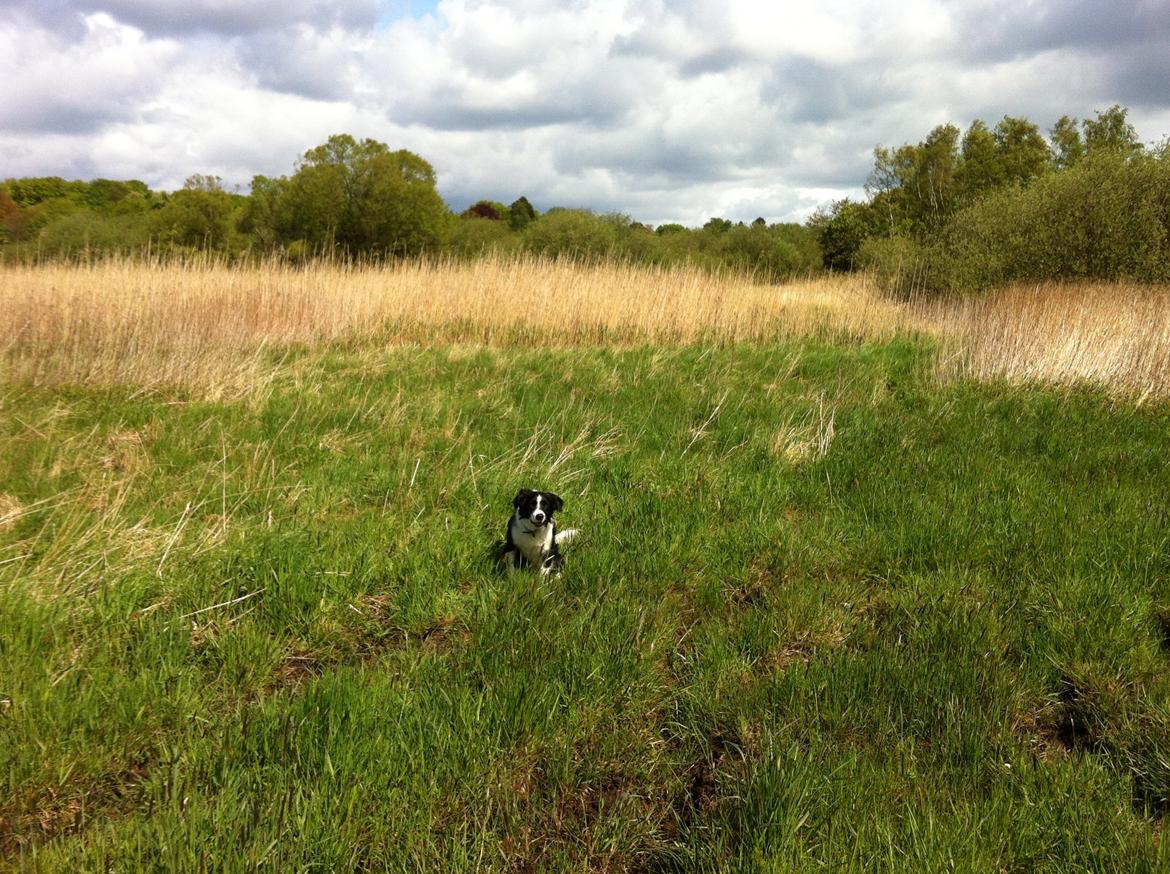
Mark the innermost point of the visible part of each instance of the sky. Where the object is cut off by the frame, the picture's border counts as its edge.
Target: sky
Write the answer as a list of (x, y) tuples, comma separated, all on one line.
[(665, 111)]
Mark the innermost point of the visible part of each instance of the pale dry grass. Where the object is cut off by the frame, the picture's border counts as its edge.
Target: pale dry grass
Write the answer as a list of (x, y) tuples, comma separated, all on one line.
[(222, 329), (10, 511), (219, 327), (1115, 335), (807, 438)]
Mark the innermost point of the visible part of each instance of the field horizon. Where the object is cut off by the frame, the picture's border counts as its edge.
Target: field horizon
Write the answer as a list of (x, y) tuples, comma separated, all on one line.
[(865, 584)]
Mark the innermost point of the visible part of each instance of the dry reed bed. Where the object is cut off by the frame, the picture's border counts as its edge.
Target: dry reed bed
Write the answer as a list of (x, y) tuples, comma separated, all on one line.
[(215, 327), (1115, 335), (209, 325)]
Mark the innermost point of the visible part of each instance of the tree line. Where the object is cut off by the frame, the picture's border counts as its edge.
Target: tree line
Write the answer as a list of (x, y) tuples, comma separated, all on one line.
[(359, 199), (966, 210), (958, 211)]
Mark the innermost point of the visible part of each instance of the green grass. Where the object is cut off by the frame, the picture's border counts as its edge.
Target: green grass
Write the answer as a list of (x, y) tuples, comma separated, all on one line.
[(942, 645)]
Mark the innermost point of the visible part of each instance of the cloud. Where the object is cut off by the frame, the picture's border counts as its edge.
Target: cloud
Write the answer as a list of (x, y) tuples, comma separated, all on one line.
[(62, 86), (490, 67), (996, 30), (300, 59), (231, 17), (668, 111)]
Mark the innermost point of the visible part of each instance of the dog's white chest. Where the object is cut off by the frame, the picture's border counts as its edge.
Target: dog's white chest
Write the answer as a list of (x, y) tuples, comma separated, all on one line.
[(534, 544)]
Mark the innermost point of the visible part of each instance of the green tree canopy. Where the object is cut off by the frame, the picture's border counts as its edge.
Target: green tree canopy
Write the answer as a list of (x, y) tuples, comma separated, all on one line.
[(486, 209), (521, 213), (842, 229), (13, 224), (361, 197), (1111, 132), (1067, 147), (1022, 150), (980, 169), (198, 215)]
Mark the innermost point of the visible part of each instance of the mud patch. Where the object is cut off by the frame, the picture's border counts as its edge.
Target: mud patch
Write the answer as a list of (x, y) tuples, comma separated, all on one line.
[(1091, 718), (1068, 723), (379, 629), (34, 818), (1151, 790), (557, 826), (753, 593), (365, 640), (1075, 721), (1161, 615), (617, 810), (705, 780), (297, 667)]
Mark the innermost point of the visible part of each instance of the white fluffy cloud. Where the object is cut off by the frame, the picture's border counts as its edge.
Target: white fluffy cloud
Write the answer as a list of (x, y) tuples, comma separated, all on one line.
[(669, 111)]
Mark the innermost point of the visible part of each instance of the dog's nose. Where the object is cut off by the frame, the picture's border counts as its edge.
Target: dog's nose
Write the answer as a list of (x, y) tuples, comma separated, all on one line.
[(538, 517)]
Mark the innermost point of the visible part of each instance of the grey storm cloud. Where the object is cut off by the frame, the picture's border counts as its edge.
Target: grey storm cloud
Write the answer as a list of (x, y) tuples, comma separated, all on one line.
[(230, 17), (1132, 39), (181, 17), (997, 30), (63, 17), (301, 60), (63, 116), (650, 159), (67, 84), (1143, 79), (446, 110)]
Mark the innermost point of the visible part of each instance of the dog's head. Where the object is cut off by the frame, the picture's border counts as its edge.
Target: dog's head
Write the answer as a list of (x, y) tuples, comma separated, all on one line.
[(536, 506)]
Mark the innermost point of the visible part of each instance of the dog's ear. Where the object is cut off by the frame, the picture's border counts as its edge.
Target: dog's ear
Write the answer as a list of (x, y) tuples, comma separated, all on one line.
[(520, 496), (554, 502)]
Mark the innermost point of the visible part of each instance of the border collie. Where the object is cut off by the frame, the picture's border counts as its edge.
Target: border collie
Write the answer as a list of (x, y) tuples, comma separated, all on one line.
[(532, 538)]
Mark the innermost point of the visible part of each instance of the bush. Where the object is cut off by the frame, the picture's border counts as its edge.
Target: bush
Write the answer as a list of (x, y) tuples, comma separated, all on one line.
[(842, 230), (759, 251), (87, 232), (1108, 217), (472, 237), (572, 233)]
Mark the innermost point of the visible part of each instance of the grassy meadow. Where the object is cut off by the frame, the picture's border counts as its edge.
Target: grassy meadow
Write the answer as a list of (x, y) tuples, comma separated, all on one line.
[(864, 585)]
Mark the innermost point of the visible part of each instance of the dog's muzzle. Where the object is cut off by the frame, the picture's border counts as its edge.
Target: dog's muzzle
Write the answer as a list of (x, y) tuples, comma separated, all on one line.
[(538, 517)]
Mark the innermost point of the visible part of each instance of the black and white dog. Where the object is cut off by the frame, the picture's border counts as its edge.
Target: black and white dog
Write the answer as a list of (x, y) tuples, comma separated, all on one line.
[(532, 537)]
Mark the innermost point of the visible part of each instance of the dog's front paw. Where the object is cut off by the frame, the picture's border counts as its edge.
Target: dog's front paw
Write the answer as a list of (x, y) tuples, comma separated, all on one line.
[(567, 535)]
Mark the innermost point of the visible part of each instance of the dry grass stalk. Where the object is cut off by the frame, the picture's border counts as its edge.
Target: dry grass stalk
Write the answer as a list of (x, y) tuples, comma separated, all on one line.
[(807, 439), (217, 328), (211, 326), (1111, 334)]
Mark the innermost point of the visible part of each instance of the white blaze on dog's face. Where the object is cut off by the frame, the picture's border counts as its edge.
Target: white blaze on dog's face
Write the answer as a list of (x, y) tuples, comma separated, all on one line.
[(536, 508)]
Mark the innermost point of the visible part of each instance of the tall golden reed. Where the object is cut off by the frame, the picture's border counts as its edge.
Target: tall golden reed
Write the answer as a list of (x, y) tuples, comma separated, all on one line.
[(220, 328), (1115, 335), (213, 325)]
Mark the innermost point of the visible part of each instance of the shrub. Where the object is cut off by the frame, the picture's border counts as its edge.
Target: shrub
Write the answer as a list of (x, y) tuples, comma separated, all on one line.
[(90, 232), (573, 233), (471, 237), (759, 251), (1107, 217)]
